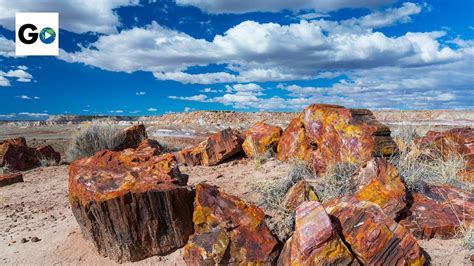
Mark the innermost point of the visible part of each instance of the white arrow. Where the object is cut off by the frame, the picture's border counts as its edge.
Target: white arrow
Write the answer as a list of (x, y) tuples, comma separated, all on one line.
[(47, 35)]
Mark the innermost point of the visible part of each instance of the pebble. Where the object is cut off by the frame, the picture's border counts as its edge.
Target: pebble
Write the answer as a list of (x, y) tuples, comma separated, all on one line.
[(23, 240), (35, 239)]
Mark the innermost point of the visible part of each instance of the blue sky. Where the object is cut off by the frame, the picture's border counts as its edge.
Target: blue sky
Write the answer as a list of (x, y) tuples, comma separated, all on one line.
[(121, 57)]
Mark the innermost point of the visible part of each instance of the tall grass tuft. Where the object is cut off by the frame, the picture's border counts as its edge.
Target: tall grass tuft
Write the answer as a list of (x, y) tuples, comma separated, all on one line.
[(91, 138)]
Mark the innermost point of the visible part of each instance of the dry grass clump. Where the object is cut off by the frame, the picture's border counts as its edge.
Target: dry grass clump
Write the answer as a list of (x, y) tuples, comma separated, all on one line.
[(47, 161), (91, 138), (428, 164), (280, 220), (335, 182), (5, 169)]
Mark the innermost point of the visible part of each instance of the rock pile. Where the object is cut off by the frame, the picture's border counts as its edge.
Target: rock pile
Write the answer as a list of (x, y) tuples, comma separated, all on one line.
[(17, 156)]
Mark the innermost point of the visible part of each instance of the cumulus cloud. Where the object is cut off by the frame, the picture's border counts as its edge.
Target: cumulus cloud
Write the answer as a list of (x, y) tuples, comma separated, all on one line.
[(152, 109), (19, 74), (254, 51), (7, 47), (26, 97), (76, 15), (140, 93), (244, 6)]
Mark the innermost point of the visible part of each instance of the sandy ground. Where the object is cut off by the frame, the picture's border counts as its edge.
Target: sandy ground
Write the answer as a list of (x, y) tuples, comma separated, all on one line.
[(39, 208)]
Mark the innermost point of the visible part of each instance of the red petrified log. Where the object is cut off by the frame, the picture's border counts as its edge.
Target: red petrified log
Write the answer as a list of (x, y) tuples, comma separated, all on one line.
[(131, 204), (10, 178)]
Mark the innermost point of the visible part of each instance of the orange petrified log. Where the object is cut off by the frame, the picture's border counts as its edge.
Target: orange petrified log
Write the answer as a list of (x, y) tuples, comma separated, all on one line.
[(456, 141), (260, 139), (326, 134), (213, 150), (374, 237), (131, 204), (10, 178), (315, 241), (440, 212), (228, 231)]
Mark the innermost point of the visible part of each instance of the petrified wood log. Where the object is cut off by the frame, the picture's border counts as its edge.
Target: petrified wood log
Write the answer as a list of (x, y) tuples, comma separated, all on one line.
[(17, 155), (456, 141), (326, 134), (131, 204), (299, 193), (379, 182), (228, 231), (374, 237), (261, 139), (315, 241), (10, 178), (132, 137), (213, 150), (440, 212)]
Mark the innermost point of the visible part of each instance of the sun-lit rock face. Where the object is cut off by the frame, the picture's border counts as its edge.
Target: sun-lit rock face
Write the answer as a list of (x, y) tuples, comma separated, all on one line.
[(261, 139), (440, 212), (326, 134), (228, 231), (131, 204), (214, 150), (375, 238), (315, 241), (456, 141), (379, 182)]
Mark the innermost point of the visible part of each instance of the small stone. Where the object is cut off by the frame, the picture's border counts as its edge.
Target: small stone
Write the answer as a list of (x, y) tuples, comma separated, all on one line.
[(23, 240), (35, 239)]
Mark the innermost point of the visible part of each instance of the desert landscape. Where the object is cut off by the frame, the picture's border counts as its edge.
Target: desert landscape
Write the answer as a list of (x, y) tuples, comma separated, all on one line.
[(239, 169)]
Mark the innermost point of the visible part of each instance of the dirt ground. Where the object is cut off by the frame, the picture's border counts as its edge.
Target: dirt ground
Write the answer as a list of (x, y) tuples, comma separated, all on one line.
[(39, 208)]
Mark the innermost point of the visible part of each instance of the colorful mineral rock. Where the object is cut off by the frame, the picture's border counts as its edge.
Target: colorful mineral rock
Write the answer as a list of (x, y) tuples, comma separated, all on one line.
[(440, 212), (375, 238), (378, 181), (315, 241), (299, 193), (132, 137), (327, 134), (214, 150), (228, 231), (131, 204), (261, 139)]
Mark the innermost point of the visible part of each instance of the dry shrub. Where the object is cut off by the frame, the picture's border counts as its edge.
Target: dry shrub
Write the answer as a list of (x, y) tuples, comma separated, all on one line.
[(280, 220), (91, 138), (335, 182), (5, 169), (428, 164), (47, 161)]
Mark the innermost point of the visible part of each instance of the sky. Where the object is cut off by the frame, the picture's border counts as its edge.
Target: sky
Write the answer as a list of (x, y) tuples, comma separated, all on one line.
[(129, 57)]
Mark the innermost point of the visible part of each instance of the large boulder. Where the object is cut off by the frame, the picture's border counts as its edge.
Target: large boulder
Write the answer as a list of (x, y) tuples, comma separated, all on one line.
[(260, 139), (16, 155), (440, 212), (10, 178), (379, 182), (214, 150), (375, 238), (327, 134), (315, 241), (456, 141), (132, 137), (228, 231), (131, 204)]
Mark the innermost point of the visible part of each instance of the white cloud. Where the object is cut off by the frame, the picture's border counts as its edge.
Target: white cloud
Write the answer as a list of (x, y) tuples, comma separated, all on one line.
[(116, 111), (76, 15), (390, 16), (152, 109), (11, 115), (35, 115), (244, 6), (200, 98), (188, 109), (20, 75), (7, 47), (26, 97), (140, 93), (267, 51)]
